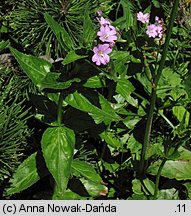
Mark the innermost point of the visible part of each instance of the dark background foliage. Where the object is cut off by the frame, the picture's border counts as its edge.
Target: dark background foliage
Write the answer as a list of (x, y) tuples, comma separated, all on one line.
[(25, 113)]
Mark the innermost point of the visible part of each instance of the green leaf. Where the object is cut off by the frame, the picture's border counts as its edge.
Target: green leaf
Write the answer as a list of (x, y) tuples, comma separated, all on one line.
[(25, 176), (86, 170), (156, 3), (143, 79), (3, 45), (149, 187), (35, 68), (88, 27), (133, 145), (107, 108), (170, 84), (125, 88), (188, 187), (138, 197), (71, 57), (60, 33), (187, 85), (182, 115), (70, 195), (58, 149), (94, 188), (168, 194), (130, 121), (94, 82), (185, 154), (111, 139), (179, 169), (136, 187), (121, 60), (51, 81), (155, 149), (80, 102), (127, 20), (139, 189)]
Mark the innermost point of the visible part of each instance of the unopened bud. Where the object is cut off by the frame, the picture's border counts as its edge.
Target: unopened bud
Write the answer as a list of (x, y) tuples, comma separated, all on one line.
[(99, 12), (111, 44)]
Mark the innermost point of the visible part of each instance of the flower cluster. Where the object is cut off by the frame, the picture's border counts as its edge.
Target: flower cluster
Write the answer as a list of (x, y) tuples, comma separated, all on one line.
[(153, 30), (108, 35)]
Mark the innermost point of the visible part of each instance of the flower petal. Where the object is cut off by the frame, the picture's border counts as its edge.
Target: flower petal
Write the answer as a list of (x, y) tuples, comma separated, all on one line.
[(95, 57), (98, 62), (107, 51), (106, 58), (104, 47), (95, 50), (102, 60)]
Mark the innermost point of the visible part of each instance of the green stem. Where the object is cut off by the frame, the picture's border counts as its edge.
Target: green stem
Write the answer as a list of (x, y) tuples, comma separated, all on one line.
[(166, 45), (147, 133), (153, 95), (158, 178), (59, 115)]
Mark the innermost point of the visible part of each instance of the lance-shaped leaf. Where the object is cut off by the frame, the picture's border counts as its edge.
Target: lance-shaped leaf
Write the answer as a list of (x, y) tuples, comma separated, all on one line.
[(70, 195), (111, 139), (125, 88), (25, 176), (71, 57), (3, 45), (94, 82), (60, 33), (106, 114), (88, 27), (94, 188), (83, 169), (58, 149), (52, 81), (35, 68), (179, 170)]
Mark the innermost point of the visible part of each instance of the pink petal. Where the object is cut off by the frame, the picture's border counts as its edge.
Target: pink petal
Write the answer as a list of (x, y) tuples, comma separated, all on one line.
[(102, 60), (106, 58), (104, 21), (107, 51), (95, 57), (104, 47), (107, 28), (112, 32), (99, 33), (100, 47), (95, 49), (102, 39), (102, 28), (98, 62), (111, 38), (112, 28)]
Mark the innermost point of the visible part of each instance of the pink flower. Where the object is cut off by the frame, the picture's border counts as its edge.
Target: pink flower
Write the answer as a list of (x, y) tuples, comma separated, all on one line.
[(157, 20), (144, 18), (152, 30), (159, 27), (101, 54), (103, 21), (160, 31), (107, 33)]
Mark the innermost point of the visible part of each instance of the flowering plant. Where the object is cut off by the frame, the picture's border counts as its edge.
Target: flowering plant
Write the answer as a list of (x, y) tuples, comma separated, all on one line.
[(112, 107)]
